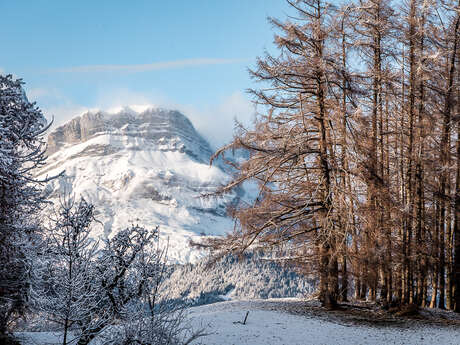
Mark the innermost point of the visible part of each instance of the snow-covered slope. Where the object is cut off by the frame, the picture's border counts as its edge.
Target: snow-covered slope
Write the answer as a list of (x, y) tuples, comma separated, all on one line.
[(146, 168)]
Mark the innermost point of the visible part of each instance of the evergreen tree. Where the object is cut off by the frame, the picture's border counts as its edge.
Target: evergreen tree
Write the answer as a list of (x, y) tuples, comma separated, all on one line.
[(22, 148)]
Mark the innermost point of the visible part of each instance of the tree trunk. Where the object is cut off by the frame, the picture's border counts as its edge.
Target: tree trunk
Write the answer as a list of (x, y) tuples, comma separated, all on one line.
[(445, 154), (456, 230)]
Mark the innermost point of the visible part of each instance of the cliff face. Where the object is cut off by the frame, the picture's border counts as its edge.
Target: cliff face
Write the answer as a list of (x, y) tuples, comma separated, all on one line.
[(157, 125), (147, 168)]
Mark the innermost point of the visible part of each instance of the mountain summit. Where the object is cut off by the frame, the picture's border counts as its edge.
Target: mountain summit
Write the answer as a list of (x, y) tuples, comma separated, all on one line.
[(148, 168), (160, 126)]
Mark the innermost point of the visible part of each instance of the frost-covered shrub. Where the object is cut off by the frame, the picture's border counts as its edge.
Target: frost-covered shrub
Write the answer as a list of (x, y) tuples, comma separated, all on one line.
[(64, 272), (109, 295)]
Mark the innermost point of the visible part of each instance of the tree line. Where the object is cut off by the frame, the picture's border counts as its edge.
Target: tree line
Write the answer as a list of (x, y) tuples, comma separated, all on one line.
[(355, 151)]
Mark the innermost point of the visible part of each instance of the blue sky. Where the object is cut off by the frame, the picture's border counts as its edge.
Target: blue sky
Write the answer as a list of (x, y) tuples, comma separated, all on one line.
[(190, 55)]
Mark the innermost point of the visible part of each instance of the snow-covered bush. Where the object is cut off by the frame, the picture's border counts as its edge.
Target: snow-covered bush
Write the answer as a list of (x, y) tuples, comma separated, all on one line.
[(131, 270), (109, 295), (65, 287)]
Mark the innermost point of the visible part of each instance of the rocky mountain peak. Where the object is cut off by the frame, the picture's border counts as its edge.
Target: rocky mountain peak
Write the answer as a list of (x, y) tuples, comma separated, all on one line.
[(169, 129)]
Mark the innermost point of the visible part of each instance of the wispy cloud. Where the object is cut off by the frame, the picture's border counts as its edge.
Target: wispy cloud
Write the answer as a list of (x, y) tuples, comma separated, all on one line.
[(155, 66), (217, 121)]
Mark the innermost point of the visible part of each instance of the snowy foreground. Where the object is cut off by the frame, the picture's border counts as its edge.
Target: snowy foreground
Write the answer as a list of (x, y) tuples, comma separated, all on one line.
[(270, 327), (271, 322)]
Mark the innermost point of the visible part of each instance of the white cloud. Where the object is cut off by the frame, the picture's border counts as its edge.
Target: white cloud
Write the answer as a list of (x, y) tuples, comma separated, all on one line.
[(113, 100), (216, 122), (147, 67)]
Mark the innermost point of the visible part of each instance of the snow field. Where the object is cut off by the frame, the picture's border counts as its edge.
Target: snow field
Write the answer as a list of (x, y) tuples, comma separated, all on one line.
[(266, 327)]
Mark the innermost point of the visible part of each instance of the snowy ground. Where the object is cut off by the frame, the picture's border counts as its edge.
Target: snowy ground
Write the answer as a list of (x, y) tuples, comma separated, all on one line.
[(288, 322), (275, 327)]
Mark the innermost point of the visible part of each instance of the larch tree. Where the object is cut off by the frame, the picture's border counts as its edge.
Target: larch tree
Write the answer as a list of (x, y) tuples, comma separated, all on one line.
[(456, 232), (293, 151), (372, 25)]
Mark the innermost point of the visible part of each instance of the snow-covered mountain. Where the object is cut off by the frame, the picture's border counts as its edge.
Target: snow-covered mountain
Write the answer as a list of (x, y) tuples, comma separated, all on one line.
[(146, 168)]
